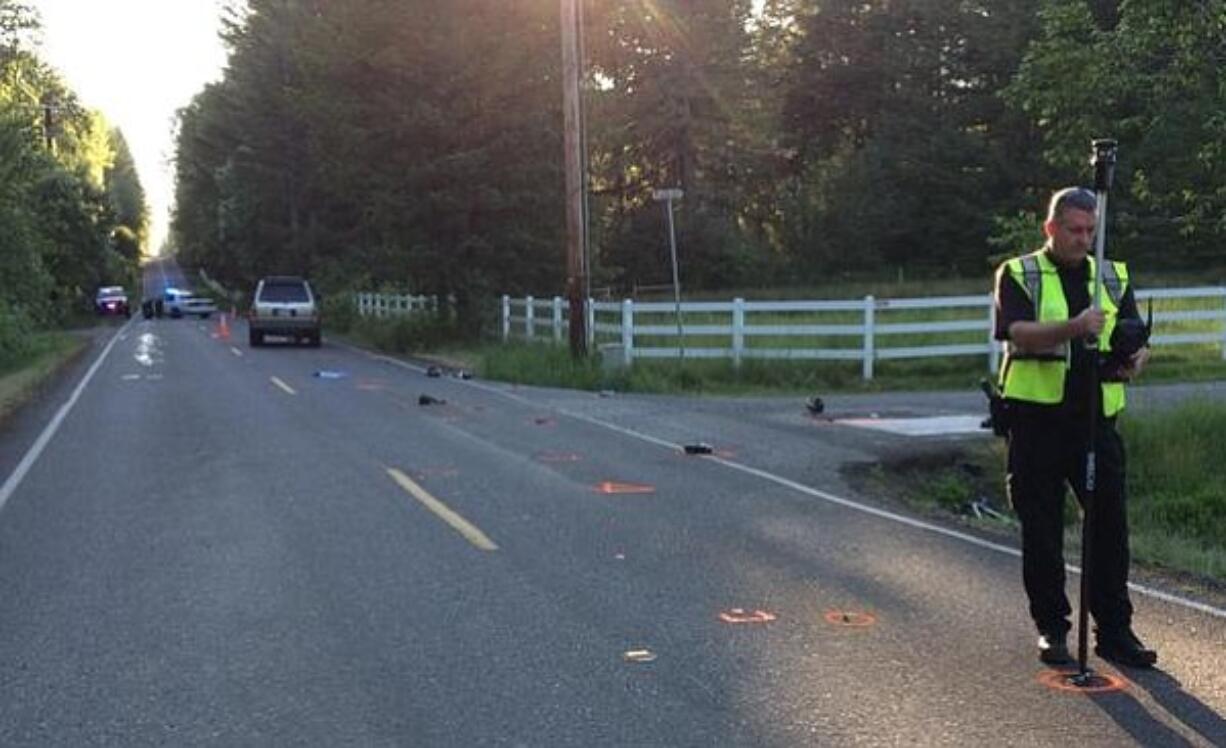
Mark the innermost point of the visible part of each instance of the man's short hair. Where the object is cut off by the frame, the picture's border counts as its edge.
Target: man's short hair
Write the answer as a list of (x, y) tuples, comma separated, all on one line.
[(1075, 198)]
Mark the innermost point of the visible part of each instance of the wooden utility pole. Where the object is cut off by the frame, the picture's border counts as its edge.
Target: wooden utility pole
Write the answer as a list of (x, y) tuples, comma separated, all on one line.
[(576, 269)]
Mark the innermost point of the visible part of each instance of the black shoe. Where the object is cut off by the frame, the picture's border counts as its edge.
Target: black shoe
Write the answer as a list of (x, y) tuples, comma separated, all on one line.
[(1053, 649), (1123, 647)]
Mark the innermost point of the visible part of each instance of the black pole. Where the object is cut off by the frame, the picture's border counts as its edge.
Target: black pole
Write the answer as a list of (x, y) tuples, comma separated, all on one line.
[(1104, 172)]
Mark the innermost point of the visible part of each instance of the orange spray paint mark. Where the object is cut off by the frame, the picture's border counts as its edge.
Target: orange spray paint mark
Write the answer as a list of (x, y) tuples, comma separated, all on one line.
[(611, 487), (1061, 680), (850, 618), (740, 615)]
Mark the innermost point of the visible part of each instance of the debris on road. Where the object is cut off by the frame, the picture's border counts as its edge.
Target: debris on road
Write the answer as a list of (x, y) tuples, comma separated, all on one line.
[(699, 448), (815, 405), (430, 400), (434, 371)]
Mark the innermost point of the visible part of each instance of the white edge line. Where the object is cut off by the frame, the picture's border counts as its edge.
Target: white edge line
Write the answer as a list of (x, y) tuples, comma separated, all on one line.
[(816, 493), (36, 449)]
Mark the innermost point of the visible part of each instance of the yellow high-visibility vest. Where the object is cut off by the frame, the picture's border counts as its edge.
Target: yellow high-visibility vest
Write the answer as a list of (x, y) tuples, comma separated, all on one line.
[(1038, 376)]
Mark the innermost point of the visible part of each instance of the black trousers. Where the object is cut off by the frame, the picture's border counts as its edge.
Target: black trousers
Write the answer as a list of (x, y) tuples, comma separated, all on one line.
[(1047, 452)]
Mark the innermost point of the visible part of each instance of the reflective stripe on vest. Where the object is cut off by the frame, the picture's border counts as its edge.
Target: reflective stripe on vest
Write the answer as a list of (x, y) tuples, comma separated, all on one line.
[(1038, 376)]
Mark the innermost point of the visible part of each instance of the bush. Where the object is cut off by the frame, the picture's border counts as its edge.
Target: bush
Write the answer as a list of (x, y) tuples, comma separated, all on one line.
[(16, 334), (340, 312), (407, 334)]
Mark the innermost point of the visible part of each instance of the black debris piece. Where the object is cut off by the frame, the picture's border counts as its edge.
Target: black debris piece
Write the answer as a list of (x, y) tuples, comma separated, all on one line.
[(815, 405), (434, 371), (430, 400), (699, 448)]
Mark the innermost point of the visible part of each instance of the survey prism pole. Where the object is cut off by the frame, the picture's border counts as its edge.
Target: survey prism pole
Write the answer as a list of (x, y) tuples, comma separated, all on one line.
[(1103, 161)]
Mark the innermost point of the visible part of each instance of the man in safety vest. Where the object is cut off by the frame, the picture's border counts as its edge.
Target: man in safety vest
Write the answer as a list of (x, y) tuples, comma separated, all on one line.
[(1044, 314)]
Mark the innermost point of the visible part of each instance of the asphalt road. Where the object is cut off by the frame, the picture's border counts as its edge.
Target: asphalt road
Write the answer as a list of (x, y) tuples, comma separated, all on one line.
[(233, 546)]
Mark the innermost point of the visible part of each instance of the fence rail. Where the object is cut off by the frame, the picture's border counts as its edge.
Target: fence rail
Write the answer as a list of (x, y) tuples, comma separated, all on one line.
[(393, 305), (865, 330)]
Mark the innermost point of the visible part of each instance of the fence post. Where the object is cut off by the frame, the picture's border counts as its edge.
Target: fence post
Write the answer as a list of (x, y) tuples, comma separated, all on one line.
[(1223, 292), (590, 311), (993, 346), (530, 317), (506, 317), (738, 331), (628, 331), (557, 319), (869, 346)]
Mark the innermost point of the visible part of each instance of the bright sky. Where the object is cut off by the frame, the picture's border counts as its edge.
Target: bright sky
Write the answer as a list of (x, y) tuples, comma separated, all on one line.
[(137, 61)]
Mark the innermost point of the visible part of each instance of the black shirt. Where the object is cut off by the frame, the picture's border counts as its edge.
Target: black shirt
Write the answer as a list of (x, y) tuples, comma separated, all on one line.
[(1014, 305)]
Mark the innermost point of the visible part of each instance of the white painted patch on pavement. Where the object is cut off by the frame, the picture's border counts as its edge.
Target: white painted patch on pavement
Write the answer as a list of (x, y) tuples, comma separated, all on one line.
[(928, 426), (288, 390), (236, 351), (36, 449)]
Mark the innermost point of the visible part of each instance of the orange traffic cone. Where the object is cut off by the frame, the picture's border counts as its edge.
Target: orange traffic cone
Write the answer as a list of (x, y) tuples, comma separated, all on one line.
[(223, 329)]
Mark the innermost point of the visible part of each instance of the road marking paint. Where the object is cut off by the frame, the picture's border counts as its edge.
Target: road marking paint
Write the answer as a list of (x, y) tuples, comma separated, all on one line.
[(153, 377), (1062, 680), (850, 618), (815, 493), (740, 615), (443, 512), (36, 449), (612, 487), (289, 390), (931, 426), (130, 377), (236, 351)]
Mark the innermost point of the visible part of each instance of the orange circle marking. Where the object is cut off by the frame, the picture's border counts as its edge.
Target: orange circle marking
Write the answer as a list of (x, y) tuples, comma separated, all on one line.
[(611, 487), (1060, 680), (850, 618), (740, 615)]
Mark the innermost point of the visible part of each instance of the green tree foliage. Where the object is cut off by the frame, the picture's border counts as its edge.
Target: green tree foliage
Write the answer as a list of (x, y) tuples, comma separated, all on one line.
[(126, 198), (1150, 77), (902, 150), (673, 105), (377, 141), (417, 143), (56, 223)]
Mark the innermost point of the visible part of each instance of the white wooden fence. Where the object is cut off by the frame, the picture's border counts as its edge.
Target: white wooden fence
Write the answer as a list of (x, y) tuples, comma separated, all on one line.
[(618, 327), (393, 305)]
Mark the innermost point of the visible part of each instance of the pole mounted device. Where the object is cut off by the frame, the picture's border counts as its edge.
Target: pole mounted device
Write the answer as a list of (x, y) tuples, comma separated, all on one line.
[(1103, 161)]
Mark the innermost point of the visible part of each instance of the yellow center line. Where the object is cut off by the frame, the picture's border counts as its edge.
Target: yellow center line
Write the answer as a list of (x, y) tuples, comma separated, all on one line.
[(458, 523), (283, 385)]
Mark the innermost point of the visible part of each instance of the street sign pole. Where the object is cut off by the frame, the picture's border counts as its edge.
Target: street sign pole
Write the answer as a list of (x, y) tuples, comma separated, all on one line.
[(667, 197)]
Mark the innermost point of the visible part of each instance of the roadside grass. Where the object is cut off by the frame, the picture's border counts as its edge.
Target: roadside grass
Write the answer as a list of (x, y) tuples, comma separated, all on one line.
[(20, 377), (1176, 489)]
